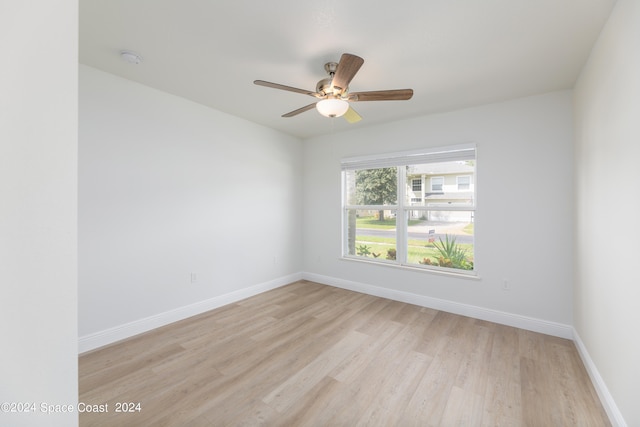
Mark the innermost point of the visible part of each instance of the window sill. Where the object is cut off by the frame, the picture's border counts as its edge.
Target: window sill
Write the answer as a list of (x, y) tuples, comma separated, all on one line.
[(472, 275)]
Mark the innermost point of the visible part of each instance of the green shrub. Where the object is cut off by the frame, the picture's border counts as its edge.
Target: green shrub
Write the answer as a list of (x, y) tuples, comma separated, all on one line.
[(363, 250), (452, 255), (391, 254)]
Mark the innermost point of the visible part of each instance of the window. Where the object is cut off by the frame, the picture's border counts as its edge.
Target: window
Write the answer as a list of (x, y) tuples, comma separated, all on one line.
[(384, 222), (464, 182), (416, 184), (437, 182)]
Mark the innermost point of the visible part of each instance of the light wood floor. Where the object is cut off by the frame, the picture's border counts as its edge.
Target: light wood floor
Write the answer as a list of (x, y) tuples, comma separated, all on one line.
[(313, 355)]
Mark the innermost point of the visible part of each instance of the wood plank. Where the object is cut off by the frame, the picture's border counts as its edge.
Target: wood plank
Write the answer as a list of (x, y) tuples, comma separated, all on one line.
[(302, 381), (389, 405), (503, 402), (538, 404)]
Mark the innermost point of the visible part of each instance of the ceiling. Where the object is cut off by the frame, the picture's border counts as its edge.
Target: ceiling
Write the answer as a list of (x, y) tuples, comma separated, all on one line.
[(452, 53)]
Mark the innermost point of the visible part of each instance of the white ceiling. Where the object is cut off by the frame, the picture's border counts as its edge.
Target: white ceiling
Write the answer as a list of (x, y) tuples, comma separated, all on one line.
[(452, 53)]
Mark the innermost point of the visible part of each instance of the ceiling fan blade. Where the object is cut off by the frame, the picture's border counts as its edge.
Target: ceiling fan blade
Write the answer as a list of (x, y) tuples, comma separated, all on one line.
[(382, 95), (287, 88), (352, 116), (347, 68), (300, 110)]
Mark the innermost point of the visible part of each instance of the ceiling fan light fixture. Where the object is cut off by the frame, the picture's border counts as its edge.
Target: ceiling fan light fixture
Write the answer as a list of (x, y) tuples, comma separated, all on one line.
[(332, 107)]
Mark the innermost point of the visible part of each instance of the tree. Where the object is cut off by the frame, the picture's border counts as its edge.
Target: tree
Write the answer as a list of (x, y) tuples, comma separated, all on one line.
[(377, 187)]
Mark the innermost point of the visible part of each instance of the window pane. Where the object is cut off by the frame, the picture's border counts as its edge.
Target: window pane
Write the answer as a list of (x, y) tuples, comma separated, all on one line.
[(437, 183), (464, 183), (372, 186), (369, 236), (441, 238), (445, 184)]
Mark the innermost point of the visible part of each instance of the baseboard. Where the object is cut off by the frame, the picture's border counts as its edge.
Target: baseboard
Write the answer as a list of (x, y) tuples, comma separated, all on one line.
[(503, 318), (117, 333), (111, 335), (598, 383)]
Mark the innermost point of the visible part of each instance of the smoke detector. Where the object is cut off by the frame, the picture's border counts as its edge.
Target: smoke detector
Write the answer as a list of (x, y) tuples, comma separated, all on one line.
[(130, 57)]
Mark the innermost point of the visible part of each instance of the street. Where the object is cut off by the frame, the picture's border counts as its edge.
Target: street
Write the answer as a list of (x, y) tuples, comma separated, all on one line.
[(421, 233)]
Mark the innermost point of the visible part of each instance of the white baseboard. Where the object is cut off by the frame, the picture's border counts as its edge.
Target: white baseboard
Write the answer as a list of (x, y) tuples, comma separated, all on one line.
[(117, 333), (111, 335), (615, 417), (503, 318)]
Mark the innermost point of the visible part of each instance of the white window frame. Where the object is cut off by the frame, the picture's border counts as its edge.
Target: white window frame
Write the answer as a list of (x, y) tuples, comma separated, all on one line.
[(400, 160), (433, 178), (458, 182), (413, 184)]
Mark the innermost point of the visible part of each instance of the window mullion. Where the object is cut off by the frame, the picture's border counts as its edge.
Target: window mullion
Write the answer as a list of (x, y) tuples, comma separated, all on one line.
[(401, 218)]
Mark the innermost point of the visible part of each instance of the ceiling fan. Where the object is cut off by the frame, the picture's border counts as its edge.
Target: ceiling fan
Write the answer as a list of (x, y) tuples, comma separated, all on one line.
[(333, 92)]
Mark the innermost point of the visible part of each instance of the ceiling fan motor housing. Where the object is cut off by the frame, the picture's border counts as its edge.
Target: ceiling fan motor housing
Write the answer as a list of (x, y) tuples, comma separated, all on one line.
[(324, 86)]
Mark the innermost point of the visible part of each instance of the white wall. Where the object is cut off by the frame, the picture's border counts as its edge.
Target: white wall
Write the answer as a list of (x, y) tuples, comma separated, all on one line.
[(38, 173), (524, 217), (607, 146), (168, 188)]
